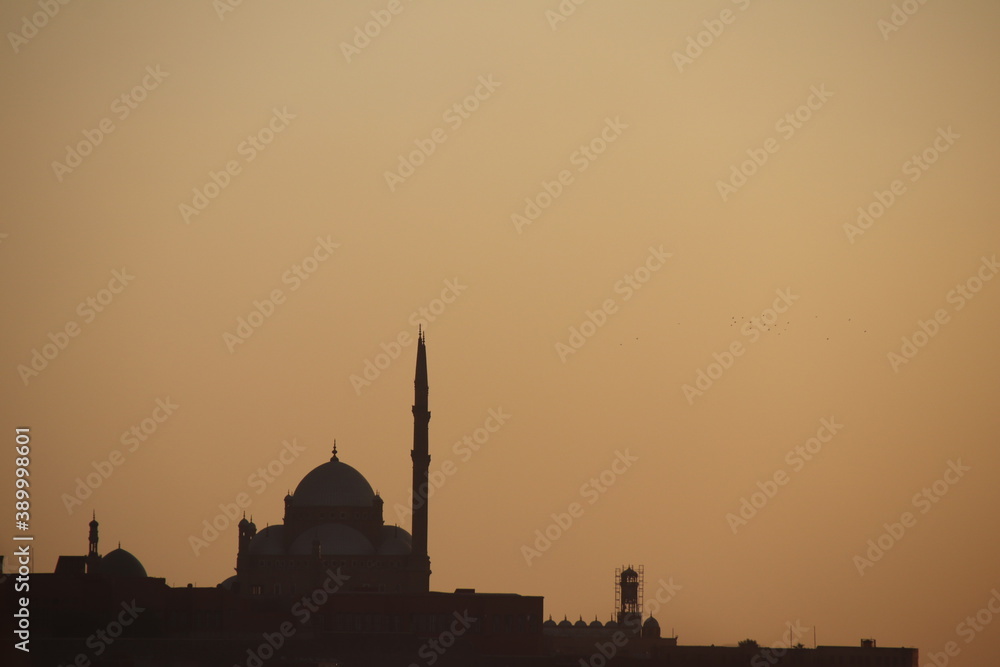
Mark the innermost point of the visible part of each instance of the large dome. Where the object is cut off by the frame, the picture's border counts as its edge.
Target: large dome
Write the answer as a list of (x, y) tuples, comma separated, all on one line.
[(333, 484), (120, 563)]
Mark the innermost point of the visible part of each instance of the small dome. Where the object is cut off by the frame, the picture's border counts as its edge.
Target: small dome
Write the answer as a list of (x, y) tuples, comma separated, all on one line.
[(120, 563), (549, 623), (580, 624), (228, 583), (335, 539), (611, 624), (395, 542), (333, 484), (565, 623), (651, 623), (596, 624), (630, 573), (269, 542)]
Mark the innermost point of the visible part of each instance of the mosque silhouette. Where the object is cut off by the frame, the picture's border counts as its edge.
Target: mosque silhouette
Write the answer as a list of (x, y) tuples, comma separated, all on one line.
[(333, 585)]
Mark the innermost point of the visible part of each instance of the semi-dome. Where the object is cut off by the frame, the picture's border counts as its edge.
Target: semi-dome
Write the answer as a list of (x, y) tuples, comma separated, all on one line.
[(335, 539), (269, 542), (651, 628), (120, 563), (333, 484), (395, 541)]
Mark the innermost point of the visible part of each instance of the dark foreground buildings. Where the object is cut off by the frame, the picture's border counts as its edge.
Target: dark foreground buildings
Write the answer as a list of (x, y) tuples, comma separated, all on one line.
[(332, 585)]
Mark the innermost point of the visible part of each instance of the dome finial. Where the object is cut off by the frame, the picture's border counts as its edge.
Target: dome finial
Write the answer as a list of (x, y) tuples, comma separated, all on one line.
[(334, 457)]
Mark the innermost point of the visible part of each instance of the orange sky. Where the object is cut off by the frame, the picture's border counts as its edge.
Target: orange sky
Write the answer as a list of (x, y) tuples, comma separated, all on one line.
[(587, 215)]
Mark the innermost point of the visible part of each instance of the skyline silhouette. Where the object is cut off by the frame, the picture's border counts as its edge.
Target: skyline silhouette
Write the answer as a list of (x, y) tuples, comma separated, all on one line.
[(709, 287)]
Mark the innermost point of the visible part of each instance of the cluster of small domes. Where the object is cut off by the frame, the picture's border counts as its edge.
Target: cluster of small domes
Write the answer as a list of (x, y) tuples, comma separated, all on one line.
[(594, 624)]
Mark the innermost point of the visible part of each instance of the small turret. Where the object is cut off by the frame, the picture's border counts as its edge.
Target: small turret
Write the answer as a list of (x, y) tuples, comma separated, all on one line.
[(247, 531), (93, 536), (93, 557)]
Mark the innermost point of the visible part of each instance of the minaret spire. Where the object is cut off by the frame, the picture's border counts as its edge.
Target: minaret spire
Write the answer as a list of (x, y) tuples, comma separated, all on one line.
[(421, 457)]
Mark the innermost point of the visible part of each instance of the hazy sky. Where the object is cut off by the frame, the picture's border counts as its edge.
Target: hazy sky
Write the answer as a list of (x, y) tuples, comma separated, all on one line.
[(590, 213)]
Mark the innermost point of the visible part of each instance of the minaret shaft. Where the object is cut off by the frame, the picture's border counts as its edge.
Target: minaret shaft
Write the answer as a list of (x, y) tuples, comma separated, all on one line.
[(420, 452)]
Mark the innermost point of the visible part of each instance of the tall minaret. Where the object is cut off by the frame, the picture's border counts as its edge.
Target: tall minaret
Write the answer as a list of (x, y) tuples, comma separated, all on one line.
[(421, 467), (93, 558)]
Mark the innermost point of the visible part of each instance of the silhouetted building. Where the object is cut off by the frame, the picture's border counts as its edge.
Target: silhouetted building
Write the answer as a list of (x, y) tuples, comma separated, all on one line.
[(332, 585), (334, 521)]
